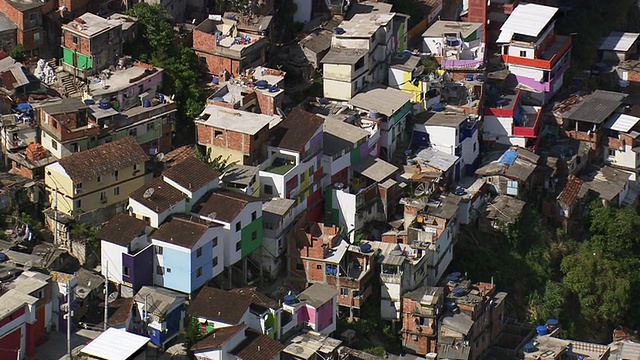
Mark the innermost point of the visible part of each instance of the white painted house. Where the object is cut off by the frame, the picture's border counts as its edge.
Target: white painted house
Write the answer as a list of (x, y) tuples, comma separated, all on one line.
[(156, 201), (453, 133)]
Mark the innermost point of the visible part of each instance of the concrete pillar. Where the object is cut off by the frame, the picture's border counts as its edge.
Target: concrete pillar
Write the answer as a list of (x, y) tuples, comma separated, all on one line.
[(244, 271)]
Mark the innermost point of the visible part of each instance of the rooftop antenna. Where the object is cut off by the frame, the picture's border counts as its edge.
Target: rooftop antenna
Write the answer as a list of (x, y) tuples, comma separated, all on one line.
[(147, 194)]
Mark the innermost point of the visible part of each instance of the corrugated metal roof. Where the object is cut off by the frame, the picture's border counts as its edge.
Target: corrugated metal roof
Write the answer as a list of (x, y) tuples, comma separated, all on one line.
[(526, 19), (596, 108), (116, 344), (618, 41), (621, 122)]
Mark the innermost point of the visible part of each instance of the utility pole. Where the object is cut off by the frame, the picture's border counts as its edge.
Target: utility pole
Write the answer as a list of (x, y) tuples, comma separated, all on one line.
[(69, 314), (55, 217), (106, 295)]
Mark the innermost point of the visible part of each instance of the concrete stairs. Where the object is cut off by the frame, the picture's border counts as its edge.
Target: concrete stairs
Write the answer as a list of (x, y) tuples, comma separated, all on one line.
[(68, 84)]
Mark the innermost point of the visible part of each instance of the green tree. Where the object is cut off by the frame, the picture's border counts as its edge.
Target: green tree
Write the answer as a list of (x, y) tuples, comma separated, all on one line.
[(219, 163), (17, 53), (180, 63), (603, 273), (192, 332)]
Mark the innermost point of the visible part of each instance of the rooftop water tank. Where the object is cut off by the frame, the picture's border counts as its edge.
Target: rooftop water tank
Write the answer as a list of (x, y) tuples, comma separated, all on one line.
[(365, 248), (541, 330), (529, 348), (262, 84), (339, 30), (458, 291), (323, 101), (289, 299), (552, 324), (468, 77), (216, 80), (89, 102), (104, 104), (454, 276), (407, 53), (374, 114), (273, 89), (146, 103)]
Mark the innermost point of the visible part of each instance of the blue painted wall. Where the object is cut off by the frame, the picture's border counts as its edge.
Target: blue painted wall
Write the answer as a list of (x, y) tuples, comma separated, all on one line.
[(177, 270), (172, 321), (204, 261)]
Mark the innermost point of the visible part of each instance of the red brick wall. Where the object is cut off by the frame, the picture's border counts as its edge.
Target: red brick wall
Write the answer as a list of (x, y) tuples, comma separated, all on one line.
[(82, 46), (233, 141), (23, 171), (214, 64), (77, 7), (424, 343), (313, 273)]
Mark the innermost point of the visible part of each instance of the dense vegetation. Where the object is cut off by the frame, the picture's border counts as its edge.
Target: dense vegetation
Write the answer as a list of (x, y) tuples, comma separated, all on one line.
[(157, 45), (586, 282)]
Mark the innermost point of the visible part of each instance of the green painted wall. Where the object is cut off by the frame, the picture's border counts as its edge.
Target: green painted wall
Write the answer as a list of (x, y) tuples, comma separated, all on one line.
[(83, 62), (249, 245)]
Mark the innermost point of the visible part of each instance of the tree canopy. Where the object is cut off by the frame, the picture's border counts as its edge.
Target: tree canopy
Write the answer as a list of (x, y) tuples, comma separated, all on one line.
[(180, 63)]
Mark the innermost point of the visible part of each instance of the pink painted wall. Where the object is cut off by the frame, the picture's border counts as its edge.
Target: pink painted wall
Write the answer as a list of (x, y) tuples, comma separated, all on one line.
[(307, 314), (325, 315)]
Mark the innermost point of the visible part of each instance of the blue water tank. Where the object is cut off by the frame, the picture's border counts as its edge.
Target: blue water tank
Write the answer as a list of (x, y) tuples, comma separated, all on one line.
[(438, 107), (273, 89), (323, 101), (104, 104), (161, 98), (541, 330), (89, 102), (289, 299), (454, 276), (458, 291), (216, 80), (146, 103), (468, 77), (451, 305), (552, 324), (407, 53), (365, 248), (480, 78), (262, 84), (339, 30)]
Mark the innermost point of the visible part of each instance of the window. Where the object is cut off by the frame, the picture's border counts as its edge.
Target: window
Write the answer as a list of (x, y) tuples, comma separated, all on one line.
[(116, 191), (344, 292), (238, 246), (299, 267), (523, 53), (136, 167), (78, 204), (74, 39), (239, 226), (159, 270), (253, 216), (33, 17), (612, 152), (199, 272), (125, 270), (18, 166), (36, 36), (215, 241), (75, 147), (168, 270), (158, 250), (319, 267), (199, 252), (268, 189), (103, 196), (217, 133), (115, 174), (99, 179), (203, 60), (54, 144), (133, 132), (215, 261), (150, 127), (40, 294), (254, 235)]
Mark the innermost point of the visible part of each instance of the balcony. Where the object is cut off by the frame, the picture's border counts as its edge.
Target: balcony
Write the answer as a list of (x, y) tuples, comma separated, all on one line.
[(531, 126), (548, 59), (391, 278)]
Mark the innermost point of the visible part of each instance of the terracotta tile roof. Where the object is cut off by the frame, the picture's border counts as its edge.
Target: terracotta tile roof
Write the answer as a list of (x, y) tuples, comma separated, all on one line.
[(257, 347), (191, 173), (178, 154), (121, 229), (257, 298), (162, 198), (181, 232), (103, 159), (296, 130), (226, 205), (219, 305), (571, 190), (218, 337)]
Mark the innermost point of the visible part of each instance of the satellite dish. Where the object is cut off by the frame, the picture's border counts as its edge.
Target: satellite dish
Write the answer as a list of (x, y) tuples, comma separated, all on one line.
[(298, 349), (112, 297), (159, 157), (420, 190), (147, 194), (64, 307), (213, 215)]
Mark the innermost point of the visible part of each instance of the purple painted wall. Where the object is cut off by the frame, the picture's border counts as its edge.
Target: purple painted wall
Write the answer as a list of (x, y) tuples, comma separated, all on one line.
[(140, 268)]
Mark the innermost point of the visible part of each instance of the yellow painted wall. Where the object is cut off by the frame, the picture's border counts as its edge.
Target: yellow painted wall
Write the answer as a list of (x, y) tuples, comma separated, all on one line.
[(233, 155), (407, 86), (127, 181)]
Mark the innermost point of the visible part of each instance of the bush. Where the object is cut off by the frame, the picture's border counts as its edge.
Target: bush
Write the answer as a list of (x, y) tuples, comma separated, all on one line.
[(17, 53)]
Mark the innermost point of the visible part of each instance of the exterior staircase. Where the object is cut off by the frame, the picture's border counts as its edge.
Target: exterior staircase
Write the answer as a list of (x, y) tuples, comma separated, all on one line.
[(68, 84)]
